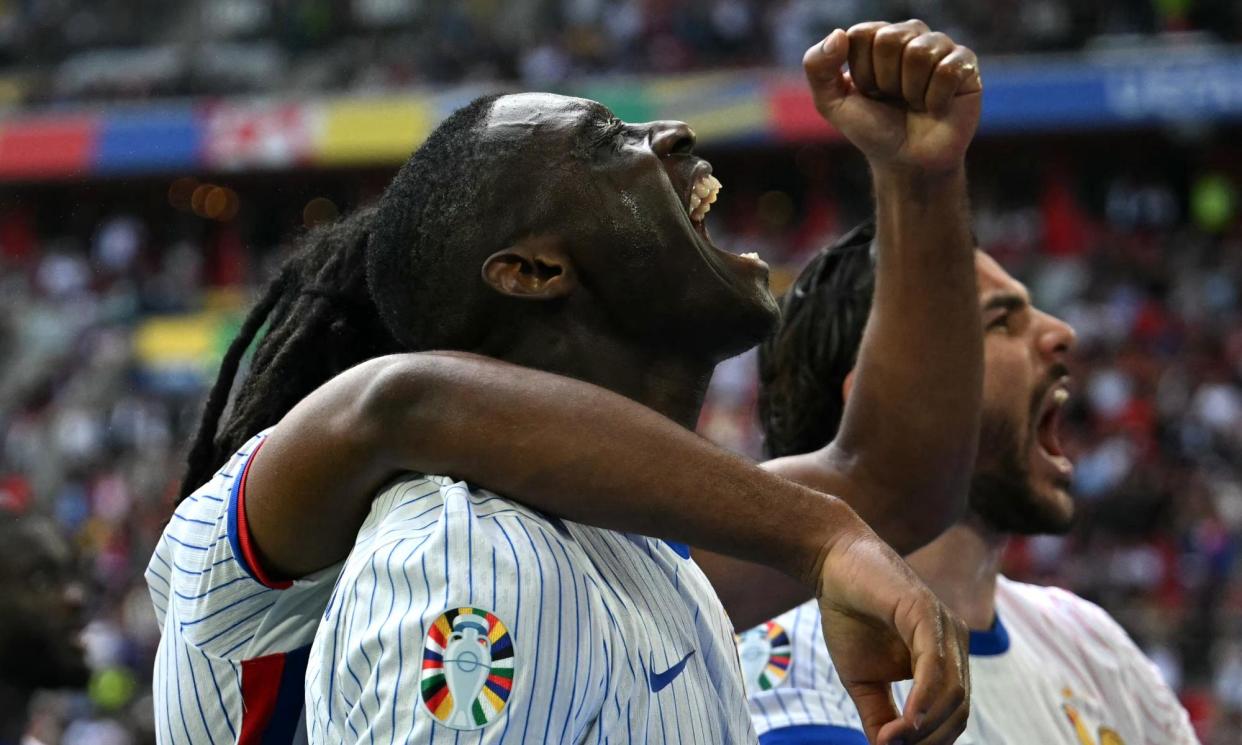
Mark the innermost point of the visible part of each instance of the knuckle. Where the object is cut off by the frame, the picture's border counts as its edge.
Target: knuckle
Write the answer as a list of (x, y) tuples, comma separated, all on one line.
[(920, 50), (862, 29), (952, 72), (940, 42), (891, 37), (966, 62)]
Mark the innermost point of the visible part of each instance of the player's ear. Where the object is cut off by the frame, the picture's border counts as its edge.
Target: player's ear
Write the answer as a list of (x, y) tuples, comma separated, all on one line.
[(847, 385), (533, 268)]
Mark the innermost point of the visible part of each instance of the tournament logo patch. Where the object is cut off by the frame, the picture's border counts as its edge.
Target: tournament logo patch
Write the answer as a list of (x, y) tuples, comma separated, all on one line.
[(467, 668), (765, 652)]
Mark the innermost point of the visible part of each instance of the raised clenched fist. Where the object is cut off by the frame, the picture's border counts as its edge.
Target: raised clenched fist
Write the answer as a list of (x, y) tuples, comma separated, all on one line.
[(911, 97)]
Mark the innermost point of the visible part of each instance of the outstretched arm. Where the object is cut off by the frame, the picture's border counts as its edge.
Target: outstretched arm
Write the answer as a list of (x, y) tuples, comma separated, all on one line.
[(905, 450), (558, 444), (907, 442), (906, 446)]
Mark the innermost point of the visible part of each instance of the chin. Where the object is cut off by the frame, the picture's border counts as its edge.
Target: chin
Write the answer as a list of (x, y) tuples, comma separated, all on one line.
[(1008, 501), (1060, 507), (1049, 511), (757, 322)]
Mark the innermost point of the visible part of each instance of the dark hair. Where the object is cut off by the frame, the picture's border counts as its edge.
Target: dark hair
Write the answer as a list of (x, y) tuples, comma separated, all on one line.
[(427, 224), (379, 281), (803, 366)]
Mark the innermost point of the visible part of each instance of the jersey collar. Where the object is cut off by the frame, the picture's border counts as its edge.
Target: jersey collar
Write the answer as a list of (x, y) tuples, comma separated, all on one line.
[(990, 643)]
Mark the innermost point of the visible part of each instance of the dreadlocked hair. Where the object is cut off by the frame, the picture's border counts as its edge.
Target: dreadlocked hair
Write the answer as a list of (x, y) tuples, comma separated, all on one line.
[(320, 321), (382, 280), (429, 241), (803, 366)]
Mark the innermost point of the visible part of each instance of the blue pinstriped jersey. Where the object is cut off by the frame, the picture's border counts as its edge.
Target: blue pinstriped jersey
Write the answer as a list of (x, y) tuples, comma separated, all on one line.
[(231, 661), (461, 617)]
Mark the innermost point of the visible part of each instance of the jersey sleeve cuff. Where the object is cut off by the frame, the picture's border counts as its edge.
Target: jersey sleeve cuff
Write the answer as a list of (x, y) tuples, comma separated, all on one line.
[(239, 532), (805, 734)]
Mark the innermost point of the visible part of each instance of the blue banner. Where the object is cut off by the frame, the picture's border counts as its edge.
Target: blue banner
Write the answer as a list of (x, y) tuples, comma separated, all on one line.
[(1085, 93)]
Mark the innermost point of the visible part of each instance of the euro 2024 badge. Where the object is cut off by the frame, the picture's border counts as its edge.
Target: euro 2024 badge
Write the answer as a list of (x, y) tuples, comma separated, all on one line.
[(467, 668), (765, 653)]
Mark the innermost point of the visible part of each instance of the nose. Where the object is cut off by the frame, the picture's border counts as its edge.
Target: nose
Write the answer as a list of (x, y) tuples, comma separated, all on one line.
[(1056, 338), (671, 138)]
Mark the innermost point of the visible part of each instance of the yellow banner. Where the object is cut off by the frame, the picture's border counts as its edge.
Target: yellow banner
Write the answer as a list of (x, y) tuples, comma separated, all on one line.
[(379, 130)]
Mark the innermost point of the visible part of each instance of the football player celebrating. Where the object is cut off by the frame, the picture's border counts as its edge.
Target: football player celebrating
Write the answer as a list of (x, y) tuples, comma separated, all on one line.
[(1046, 665)]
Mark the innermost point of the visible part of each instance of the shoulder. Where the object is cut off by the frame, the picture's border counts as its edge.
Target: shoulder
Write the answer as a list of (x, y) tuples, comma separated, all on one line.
[(444, 510), (205, 585), (429, 538), (1063, 614), (1105, 647)]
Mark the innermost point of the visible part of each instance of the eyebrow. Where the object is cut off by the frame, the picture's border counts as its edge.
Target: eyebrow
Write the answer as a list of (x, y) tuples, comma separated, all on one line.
[(1009, 301), (587, 133)]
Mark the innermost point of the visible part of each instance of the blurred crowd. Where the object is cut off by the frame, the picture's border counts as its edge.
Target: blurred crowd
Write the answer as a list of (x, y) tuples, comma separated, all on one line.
[(97, 405), (53, 51)]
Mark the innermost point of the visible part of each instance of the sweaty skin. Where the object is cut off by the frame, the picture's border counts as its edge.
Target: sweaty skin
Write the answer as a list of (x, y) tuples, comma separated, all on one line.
[(1020, 487), (594, 456)]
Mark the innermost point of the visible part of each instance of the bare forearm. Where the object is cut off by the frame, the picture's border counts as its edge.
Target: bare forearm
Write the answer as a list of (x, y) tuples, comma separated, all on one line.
[(593, 456), (556, 444), (912, 419)]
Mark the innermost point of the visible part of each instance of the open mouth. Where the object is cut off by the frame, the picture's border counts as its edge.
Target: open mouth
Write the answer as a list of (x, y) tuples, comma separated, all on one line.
[(1048, 427), (700, 194)]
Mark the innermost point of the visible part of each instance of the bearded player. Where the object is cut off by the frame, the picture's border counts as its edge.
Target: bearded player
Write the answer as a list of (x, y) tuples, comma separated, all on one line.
[(291, 512), (1046, 665)]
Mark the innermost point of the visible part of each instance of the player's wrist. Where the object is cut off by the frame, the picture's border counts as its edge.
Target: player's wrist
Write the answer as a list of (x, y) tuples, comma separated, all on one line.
[(913, 179), (830, 534)]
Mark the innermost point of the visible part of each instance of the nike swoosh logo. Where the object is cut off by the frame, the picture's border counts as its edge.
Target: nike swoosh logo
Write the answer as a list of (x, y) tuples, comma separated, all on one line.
[(660, 681)]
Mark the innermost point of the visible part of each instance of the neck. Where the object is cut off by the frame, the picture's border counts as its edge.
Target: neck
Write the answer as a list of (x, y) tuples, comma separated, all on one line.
[(961, 567), (674, 386), (14, 704)]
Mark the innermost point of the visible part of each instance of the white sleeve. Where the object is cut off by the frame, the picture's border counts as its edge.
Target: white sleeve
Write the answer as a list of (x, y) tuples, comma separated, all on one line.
[(474, 623), (203, 576), (1146, 693)]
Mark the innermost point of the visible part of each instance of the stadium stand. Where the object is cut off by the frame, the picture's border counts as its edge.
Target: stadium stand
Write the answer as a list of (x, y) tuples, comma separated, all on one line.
[(130, 245)]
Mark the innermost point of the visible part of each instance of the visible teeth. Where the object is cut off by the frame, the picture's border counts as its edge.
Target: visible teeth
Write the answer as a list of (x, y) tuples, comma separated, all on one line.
[(1060, 397), (750, 255), (702, 196)]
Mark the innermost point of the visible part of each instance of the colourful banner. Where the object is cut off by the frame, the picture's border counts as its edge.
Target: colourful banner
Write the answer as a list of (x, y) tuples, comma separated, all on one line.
[(372, 130), (154, 139), (257, 135), (49, 147), (1022, 95)]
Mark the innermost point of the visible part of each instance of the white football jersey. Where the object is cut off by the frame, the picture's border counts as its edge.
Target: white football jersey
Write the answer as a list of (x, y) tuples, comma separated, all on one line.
[(232, 657), (461, 617), (1053, 669)]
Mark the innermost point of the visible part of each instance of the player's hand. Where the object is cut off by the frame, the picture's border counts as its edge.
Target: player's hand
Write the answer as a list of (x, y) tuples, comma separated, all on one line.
[(911, 97), (882, 624)]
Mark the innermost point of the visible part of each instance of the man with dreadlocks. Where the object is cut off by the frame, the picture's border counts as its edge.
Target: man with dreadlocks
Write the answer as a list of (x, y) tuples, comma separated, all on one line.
[(524, 229), (1047, 666)]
